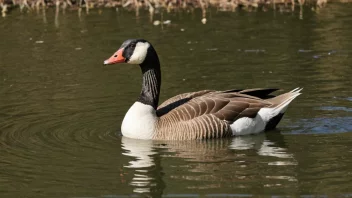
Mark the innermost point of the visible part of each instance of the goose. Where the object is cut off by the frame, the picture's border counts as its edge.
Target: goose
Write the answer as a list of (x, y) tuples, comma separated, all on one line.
[(202, 114)]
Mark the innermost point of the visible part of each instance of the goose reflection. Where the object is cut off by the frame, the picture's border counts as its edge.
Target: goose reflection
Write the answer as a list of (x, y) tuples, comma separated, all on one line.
[(212, 161), (143, 151), (262, 144)]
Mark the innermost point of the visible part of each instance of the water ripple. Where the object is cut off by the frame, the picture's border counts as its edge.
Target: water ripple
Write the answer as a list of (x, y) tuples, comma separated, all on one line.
[(322, 125)]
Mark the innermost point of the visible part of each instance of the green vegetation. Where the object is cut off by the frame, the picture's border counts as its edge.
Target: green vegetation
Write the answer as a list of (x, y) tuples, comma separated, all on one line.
[(151, 5)]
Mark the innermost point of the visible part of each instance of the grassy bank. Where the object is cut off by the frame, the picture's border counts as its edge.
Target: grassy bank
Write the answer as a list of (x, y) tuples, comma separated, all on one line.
[(152, 5)]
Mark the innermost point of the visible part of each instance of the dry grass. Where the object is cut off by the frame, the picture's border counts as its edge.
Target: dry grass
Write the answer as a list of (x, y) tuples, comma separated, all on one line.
[(152, 5)]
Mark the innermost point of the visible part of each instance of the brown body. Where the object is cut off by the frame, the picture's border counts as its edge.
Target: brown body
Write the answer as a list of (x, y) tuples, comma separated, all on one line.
[(208, 114)]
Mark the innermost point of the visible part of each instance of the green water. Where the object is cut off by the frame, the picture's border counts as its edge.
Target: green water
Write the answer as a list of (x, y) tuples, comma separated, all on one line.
[(61, 110)]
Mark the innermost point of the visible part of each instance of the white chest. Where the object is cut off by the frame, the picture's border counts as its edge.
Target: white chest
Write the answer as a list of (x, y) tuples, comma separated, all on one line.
[(139, 122)]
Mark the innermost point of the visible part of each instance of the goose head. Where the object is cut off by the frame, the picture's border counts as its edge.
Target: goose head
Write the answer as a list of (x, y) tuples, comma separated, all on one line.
[(141, 52), (132, 51)]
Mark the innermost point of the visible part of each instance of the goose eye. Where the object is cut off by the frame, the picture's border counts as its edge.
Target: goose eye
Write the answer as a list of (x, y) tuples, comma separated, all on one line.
[(133, 45)]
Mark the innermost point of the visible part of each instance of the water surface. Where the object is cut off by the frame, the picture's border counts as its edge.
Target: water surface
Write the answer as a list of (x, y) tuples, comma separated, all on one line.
[(61, 110)]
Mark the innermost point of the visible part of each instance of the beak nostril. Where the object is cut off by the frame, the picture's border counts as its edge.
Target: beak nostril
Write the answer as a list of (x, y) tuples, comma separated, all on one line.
[(116, 57)]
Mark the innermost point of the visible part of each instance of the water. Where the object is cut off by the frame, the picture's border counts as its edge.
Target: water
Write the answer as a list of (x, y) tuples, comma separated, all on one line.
[(61, 110)]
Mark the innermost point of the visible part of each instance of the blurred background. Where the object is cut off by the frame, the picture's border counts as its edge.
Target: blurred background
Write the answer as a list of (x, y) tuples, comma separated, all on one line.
[(61, 109)]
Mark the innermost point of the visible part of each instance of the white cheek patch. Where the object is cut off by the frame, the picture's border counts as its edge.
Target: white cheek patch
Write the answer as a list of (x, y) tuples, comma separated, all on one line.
[(139, 53)]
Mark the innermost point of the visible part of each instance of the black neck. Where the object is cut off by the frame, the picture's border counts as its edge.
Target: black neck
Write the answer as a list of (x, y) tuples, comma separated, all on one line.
[(151, 80)]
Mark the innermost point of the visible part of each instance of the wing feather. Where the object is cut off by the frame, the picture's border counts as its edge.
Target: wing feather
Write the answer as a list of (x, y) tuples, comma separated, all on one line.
[(228, 106)]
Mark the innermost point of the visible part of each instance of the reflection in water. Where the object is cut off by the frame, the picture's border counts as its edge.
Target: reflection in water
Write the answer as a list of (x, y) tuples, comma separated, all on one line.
[(44, 16), (57, 22), (152, 13), (205, 157), (263, 146), (143, 151)]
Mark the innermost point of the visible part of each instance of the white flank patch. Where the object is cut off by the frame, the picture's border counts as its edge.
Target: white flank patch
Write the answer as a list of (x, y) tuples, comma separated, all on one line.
[(139, 53), (245, 126), (139, 122)]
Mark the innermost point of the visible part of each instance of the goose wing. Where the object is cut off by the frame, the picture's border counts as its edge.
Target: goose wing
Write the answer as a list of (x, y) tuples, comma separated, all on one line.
[(208, 115), (225, 106), (171, 103)]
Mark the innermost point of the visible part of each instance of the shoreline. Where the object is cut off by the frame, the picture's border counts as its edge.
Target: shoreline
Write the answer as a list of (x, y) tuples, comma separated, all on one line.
[(154, 5)]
